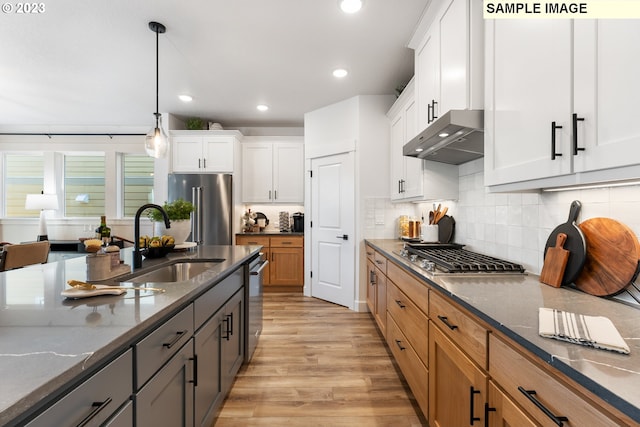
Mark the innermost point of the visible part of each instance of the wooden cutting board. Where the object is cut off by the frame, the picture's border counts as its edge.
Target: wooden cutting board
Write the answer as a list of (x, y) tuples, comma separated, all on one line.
[(555, 262), (612, 257)]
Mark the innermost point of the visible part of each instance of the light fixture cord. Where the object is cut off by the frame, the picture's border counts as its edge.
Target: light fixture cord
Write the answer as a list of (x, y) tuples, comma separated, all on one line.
[(157, 77)]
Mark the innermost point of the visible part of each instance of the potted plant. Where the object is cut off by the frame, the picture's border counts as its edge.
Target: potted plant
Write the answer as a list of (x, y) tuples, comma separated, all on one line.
[(179, 212)]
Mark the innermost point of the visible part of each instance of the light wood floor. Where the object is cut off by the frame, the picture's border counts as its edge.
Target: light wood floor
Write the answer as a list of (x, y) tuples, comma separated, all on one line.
[(318, 364)]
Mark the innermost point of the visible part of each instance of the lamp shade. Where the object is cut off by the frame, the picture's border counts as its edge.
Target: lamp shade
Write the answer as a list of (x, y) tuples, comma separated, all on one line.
[(41, 201)]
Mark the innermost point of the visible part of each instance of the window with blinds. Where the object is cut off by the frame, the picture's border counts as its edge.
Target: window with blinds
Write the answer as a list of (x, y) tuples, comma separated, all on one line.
[(84, 185), (138, 182), (24, 174)]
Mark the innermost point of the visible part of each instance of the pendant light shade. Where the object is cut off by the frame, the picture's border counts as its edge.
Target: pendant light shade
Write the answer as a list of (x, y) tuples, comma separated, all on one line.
[(156, 141)]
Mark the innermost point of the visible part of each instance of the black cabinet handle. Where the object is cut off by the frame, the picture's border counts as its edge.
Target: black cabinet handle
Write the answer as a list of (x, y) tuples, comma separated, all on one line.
[(204, 163), (97, 407), (173, 342), (429, 110), (372, 277), (487, 409), (227, 330), (433, 110), (530, 394), (445, 320), (398, 343), (472, 392), (576, 119), (400, 304), (554, 127), (195, 370), (199, 164)]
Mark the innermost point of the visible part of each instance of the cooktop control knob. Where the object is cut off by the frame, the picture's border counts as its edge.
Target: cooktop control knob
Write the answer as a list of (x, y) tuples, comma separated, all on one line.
[(428, 265)]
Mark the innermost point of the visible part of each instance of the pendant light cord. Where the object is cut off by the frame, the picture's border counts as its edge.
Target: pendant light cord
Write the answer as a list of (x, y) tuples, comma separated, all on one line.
[(157, 77)]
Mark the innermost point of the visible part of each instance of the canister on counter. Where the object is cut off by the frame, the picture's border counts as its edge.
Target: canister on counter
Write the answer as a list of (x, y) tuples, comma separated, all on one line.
[(403, 226)]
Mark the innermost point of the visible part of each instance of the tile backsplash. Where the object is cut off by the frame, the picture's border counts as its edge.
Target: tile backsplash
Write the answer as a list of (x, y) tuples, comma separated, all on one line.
[(513, 226)]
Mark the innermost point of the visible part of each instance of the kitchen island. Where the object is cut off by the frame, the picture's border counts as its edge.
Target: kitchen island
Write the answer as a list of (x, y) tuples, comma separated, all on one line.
[(49, 344), (503, 312)]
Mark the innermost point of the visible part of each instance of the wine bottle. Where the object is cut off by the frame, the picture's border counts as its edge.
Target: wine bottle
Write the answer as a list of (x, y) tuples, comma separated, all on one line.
[(105, 231)]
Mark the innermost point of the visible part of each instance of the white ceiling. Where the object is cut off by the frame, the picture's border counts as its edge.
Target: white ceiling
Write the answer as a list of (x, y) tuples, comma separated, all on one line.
[(92, 63)]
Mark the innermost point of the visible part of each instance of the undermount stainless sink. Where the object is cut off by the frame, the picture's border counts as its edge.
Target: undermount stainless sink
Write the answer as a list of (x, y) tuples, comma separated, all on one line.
[(177, 272)]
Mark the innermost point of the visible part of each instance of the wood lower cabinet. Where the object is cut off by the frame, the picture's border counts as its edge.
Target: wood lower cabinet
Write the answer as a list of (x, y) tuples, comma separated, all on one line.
[(547, 399), (501, 411), (377, 287), (286, 259), (457, 387)]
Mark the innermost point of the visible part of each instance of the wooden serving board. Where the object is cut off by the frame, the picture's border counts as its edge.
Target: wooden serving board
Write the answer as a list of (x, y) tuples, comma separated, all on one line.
[(612, 257), (555, 263)]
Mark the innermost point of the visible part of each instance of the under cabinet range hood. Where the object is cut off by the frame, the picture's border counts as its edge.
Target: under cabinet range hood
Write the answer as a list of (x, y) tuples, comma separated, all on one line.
[(456, 137)]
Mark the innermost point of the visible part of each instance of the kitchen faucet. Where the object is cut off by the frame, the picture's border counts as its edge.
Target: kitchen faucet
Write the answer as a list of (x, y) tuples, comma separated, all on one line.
[(137, 255)]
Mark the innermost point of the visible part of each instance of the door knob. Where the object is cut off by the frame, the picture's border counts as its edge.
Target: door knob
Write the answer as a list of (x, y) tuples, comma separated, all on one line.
[(343, 237)]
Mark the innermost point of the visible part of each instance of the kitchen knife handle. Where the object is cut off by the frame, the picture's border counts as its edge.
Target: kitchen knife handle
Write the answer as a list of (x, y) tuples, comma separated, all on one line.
[(529, 394), (554, 127), (576, 119)]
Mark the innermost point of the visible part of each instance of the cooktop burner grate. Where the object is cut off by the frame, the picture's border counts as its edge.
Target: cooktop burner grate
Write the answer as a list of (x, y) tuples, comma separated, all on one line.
[(455, 260)]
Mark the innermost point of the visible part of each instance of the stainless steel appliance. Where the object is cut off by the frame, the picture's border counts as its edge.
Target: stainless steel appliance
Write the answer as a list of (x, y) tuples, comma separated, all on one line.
[(212, 195), (451, 258), (253, 294)]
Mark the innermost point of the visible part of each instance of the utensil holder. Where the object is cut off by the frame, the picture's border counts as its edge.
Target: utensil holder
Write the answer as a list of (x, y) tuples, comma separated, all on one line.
[(429, 233)]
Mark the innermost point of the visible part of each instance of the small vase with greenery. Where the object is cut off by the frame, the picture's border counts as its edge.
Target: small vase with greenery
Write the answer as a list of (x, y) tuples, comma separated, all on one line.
[(179, 212)]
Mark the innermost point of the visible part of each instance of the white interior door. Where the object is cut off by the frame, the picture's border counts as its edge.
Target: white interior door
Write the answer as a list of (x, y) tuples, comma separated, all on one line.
[(333, 228)]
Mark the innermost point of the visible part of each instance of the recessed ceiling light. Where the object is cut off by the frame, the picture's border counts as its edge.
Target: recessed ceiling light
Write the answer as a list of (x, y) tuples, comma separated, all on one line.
[(185, 98), (340, 73), (262, 107), (350, 6)]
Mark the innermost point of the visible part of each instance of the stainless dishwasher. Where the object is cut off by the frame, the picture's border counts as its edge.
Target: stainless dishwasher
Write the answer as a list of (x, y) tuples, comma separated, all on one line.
[(254, 305)]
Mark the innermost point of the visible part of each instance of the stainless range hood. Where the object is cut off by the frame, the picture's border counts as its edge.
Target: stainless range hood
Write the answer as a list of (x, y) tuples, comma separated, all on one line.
[(456, 137)]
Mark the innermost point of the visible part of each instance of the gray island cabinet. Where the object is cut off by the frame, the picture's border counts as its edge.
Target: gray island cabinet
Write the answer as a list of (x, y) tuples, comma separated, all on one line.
[(165, 358)]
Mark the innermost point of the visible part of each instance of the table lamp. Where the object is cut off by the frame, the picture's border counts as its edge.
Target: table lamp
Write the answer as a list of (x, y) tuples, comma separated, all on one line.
[(41, 202)]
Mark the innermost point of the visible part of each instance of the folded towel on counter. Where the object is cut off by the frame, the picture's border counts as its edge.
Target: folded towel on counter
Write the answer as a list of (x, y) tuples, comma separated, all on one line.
[(592, 331)]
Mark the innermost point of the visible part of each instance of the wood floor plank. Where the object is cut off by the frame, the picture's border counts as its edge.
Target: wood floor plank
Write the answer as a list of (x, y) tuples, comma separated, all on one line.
[(318, 364)]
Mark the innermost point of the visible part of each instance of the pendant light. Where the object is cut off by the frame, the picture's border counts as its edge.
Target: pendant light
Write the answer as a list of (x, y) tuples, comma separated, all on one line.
[(156, 141)]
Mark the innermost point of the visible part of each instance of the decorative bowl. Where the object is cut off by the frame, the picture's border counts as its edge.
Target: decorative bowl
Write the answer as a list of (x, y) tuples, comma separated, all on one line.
[(157, 251)]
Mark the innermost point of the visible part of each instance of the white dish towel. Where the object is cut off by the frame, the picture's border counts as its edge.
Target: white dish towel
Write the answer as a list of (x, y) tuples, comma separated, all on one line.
[(592, 331)]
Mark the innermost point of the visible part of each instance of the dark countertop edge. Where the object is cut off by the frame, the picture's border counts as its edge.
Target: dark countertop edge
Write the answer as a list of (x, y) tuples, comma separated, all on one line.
[(594, 387), (272, 233), (31, 405)]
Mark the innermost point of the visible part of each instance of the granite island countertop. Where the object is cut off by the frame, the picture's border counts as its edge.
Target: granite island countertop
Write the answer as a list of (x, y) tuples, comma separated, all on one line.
[(510, 305), (48, 342)]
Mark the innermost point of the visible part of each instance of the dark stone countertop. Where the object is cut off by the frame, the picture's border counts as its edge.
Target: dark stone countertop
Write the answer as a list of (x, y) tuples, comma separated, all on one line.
[(510, 305), (48, 342)]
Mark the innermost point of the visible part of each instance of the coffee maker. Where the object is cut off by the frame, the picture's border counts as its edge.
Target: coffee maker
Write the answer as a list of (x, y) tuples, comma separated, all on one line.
[(298, 222)]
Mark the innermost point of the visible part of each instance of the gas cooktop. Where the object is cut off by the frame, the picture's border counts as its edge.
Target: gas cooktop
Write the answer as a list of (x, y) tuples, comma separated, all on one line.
[(451, 258)]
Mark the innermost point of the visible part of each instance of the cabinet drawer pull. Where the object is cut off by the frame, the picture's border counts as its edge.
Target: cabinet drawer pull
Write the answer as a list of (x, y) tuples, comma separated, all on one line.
[(285, 242), (275, 194), (529, 394), (199, 165), (252, 243), (433, 110), (576, 119), (195, 370), (398, 343), (445, 320), (554, 127), (97, 407), (228, 321), (379, 262), (372, 277), (487, 409), (400, 304), (472, 392), (269, 194), (429, 109), (173, 342)]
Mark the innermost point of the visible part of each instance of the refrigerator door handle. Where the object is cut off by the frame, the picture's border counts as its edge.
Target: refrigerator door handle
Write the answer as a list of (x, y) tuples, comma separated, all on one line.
[(196, 223)]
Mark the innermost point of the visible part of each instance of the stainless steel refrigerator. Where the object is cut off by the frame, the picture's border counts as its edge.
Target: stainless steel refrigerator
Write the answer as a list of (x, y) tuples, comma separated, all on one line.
[(212, 194)]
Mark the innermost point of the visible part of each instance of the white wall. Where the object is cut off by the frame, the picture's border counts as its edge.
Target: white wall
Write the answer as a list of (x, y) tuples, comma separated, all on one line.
[(515, 226)]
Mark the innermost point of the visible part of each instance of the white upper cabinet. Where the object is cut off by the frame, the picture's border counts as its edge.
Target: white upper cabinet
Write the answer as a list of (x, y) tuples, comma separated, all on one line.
[(449, 60), (606, 93), (406, 172), (273, 172), (560, 101), (203, 151)]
